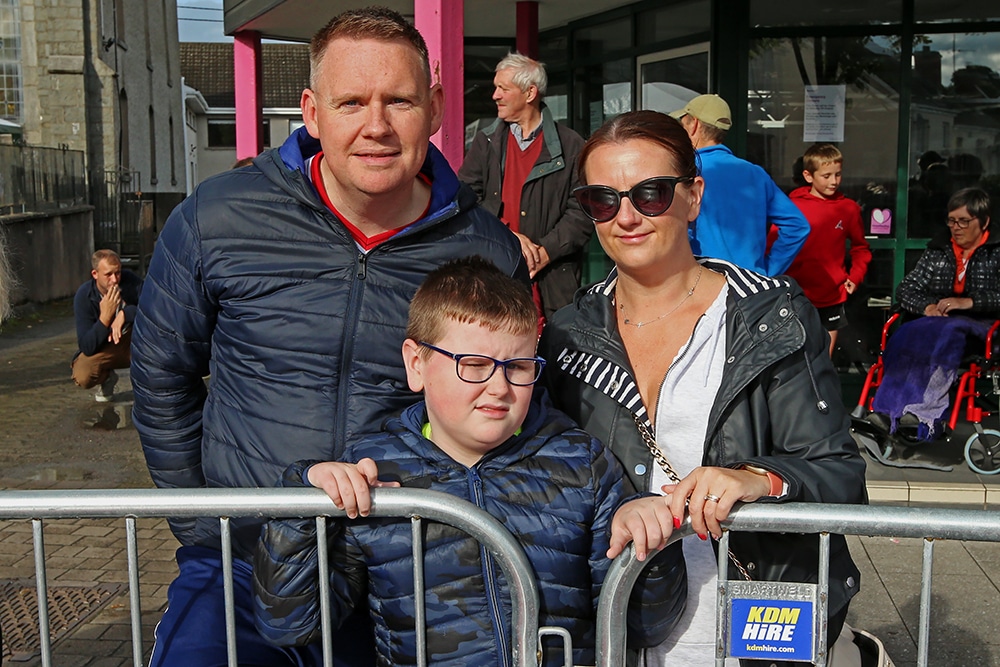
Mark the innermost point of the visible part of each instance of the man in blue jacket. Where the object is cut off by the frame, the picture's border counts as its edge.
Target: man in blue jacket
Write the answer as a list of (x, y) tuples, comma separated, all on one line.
[(288, 281), (104, 309), (741, 201)]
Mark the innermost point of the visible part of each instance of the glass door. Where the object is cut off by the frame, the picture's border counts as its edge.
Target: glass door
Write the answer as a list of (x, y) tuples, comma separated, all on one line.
[(669, 79)]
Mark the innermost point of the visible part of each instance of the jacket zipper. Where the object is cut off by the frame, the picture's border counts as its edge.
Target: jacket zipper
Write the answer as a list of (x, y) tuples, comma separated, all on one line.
[(347, 351), (489, 578), (351, 317)]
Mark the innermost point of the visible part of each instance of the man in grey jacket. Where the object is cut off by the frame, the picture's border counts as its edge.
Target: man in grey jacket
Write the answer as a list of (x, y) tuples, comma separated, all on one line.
[(288, 281), (523, 168)]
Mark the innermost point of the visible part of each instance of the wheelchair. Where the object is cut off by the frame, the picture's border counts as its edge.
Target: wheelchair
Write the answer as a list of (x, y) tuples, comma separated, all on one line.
[(982, 447)]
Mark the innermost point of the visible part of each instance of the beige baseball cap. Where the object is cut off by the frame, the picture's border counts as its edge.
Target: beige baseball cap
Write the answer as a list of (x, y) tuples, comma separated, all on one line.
[(709, 109)]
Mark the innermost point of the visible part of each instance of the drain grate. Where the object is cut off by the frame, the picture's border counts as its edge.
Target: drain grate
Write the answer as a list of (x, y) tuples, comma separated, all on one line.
[(68, 607)]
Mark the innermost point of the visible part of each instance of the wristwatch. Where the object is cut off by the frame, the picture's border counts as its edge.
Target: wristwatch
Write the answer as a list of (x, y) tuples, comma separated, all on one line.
[(777, 484)]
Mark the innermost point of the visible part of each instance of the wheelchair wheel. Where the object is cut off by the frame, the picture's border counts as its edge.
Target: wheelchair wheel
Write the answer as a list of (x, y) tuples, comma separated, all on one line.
[(982, 452)]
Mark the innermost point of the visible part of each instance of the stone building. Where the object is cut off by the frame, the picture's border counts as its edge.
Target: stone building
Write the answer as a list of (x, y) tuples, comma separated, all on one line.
[(101, 77)]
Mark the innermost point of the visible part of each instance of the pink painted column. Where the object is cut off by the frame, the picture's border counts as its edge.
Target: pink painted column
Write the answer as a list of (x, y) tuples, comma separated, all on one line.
[(442, 23), (527, 28), (249, 94)]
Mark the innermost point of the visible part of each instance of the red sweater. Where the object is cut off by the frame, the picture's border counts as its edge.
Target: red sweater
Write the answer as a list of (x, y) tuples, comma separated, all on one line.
[(820, 267)]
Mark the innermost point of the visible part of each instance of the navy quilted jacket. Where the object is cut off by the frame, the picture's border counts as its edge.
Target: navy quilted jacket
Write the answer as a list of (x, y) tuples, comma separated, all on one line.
[(553, 486), (255, 282), (933, 278)]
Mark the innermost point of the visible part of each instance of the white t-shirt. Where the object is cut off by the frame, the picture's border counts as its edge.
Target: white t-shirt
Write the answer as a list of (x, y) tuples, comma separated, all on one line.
[(685, 401)]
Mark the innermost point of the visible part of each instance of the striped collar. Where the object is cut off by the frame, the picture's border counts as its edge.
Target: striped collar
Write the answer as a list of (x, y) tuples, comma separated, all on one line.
[(742, 281)]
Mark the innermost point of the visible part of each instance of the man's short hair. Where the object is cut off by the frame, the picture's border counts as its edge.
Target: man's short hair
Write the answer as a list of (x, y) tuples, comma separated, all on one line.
[(819, 155), (102, 254), (527, 72), (378, 23), (471, 290)]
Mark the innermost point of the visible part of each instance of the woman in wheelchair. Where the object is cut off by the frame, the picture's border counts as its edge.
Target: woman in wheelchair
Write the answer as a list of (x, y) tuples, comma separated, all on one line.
[(951, 298)]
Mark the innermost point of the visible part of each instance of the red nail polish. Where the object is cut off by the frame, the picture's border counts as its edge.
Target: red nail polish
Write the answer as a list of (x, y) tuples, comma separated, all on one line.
[(677, 522), (702, 537)]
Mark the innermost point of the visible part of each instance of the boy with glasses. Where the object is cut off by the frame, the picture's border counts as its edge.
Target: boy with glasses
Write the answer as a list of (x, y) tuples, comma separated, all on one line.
[(480, 436)]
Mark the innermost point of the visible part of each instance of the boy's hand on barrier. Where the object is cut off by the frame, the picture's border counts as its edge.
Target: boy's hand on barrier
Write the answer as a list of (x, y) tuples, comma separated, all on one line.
[(348, 484), (646, 521)]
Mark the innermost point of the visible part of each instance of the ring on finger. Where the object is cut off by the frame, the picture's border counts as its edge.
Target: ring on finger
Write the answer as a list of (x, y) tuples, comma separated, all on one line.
[(712, 498)]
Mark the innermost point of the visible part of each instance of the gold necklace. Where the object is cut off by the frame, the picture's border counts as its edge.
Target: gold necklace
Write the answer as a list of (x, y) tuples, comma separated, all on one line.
[(625, 317)]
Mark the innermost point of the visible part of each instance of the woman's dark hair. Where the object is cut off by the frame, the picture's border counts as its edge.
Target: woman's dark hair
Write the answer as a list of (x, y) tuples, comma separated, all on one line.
[(976, 202), (651, 126)]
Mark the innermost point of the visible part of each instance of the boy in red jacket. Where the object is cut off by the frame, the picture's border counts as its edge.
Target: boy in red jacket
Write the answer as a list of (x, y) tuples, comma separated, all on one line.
[(820, 267)]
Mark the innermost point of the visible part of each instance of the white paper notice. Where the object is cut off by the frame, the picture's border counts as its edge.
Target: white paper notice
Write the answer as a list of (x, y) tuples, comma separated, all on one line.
[(824, 113)]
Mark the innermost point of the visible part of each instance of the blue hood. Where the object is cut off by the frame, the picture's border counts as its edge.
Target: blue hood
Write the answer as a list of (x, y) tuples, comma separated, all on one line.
[(300, 146)]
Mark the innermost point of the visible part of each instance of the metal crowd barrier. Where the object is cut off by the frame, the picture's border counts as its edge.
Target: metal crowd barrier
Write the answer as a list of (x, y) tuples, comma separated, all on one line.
[(415, 504), (419, 505), (930, 524)]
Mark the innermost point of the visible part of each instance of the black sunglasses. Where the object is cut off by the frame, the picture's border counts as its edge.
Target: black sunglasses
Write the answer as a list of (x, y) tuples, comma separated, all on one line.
[(651, 197)]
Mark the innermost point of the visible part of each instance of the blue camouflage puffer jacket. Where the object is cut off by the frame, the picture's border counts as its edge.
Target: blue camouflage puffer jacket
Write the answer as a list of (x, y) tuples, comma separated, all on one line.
[(552, 485)]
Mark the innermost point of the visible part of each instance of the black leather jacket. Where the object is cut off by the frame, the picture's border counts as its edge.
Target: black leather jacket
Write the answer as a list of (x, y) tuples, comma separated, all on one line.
[(779, 407)]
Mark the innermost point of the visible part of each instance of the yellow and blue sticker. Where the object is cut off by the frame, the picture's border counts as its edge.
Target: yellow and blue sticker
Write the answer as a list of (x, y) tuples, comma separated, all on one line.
[(771, 629)]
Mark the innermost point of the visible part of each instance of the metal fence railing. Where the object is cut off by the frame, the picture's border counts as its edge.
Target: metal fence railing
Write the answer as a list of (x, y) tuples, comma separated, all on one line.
[(416, 504), (930, 524), (118, 211), (38, 179)]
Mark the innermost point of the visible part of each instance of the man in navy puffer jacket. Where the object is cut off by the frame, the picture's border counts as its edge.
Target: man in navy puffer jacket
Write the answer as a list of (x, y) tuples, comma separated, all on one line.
[(288, 281)]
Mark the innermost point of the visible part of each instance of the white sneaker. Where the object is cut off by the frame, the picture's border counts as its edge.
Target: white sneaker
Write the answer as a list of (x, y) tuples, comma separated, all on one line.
[(106, 391)]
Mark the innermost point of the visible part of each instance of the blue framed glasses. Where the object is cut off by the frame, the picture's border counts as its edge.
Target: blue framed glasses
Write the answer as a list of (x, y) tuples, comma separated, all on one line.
[(479, 368)]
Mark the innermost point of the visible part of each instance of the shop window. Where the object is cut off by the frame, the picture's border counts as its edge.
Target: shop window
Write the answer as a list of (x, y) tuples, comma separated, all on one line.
[(599, 40), (553, 49), (480, 68), (557, 98), (955, 124), (842, 90), (670, 79), (601, 93), (776, 13), (945, 11), (680, 20)]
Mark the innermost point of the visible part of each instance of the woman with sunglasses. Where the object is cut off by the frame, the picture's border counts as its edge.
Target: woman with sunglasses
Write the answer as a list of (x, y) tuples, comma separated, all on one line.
[(710, 383)]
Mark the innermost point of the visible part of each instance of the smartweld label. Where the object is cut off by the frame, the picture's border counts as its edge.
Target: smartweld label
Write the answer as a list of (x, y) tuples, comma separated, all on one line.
[(771, 629)]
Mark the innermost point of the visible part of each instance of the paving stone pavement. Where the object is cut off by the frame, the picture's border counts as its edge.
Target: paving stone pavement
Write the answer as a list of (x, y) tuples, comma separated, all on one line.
[(55, 436)]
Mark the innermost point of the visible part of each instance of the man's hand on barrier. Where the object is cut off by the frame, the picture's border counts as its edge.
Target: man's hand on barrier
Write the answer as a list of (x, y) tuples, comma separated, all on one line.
[(348, 484), (645, 521), (711, 492)]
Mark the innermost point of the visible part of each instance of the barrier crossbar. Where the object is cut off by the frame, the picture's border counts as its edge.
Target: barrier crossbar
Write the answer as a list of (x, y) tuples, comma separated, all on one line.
[(416, 504), (929, 524)]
